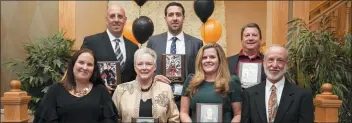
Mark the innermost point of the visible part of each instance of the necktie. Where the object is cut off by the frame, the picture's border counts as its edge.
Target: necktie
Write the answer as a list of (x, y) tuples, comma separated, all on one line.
[(272, 105), (118, 53), (173, 45)]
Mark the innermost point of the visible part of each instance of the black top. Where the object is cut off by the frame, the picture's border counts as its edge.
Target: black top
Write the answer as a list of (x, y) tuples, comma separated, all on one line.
[(59, 106), (145, 108)]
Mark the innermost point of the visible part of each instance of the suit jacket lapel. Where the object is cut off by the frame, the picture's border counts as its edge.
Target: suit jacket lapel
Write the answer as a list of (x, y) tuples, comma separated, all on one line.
[(127, 46), (188, 45), (107, 44), (163, 43), (285, 102), (260, 101), (188, 50)]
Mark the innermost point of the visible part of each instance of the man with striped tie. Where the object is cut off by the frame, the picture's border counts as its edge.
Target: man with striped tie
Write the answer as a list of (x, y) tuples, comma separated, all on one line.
[(276, 100), (110, 45)]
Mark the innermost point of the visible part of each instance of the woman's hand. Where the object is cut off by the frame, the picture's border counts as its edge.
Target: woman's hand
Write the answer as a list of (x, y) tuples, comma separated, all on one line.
[(162, 78)]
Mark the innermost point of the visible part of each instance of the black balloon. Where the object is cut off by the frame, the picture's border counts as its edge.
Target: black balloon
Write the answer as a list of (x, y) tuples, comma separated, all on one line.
[(140, 2), (142, 29), (203, 9)]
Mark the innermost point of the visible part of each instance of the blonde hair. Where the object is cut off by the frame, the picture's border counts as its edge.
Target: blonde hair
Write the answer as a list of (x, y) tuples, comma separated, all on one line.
[(221, 83)]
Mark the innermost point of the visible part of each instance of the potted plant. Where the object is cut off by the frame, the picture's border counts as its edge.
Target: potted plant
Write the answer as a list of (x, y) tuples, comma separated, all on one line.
[(44, 65), (317, 57)]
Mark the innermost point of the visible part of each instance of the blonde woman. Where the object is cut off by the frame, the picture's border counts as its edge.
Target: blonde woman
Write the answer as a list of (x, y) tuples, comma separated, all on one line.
[(144, 97), (211, 83)]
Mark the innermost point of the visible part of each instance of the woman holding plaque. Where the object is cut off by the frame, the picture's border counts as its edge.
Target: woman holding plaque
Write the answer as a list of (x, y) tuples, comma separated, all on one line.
[(211, 83), (144, 97), (80, 97)]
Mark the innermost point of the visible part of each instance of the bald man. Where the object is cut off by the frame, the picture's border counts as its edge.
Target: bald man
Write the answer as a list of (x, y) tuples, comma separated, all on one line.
[(276, 100), (110, 45)]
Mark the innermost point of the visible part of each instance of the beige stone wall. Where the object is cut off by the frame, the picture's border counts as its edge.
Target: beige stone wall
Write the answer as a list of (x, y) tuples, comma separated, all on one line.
[(155, 11)]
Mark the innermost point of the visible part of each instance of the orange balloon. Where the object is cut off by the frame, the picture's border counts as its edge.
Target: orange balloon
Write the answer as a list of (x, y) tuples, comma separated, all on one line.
[(127, 32), (211, 31)]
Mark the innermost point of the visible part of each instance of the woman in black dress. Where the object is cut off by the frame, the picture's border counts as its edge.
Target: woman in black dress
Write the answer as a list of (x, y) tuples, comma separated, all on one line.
[(80, 97)]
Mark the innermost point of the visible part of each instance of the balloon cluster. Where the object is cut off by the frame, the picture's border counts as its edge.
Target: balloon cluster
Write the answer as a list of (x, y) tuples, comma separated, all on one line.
[(211, 29), (140, 29)]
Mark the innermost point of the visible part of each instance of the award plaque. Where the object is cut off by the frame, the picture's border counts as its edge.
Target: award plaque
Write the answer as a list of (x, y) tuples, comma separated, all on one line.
[(209, 112), (173, 67), (249, 74), (145, 120), (177, 89), (110, 73)]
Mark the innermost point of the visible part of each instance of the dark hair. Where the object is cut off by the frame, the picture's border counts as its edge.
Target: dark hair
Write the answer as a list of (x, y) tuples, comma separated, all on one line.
[(174, 4), (251, 25), (69, 81)]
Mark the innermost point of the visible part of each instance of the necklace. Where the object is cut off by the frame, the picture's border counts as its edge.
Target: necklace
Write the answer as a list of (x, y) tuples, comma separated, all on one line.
[(82, 92), (147, 89)]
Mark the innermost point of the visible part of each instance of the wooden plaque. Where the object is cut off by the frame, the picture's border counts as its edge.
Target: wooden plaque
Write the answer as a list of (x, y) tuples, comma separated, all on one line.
[(173, 67), (209, 112), (145, 120), (110, 72)]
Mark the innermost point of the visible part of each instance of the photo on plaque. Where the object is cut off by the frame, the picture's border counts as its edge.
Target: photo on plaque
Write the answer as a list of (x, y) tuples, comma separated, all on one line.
[(250, 74), (209, 112), (177, 89), (173, 67), (145, 120), (110, 72)]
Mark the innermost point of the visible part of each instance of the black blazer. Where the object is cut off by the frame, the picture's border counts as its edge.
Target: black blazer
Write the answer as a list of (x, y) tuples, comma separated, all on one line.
[(192, 45), (100, 44), (296, 105), (233, 61)]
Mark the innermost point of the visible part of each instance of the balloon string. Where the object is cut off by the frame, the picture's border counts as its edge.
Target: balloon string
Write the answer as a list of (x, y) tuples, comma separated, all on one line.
[(204, 33), (140, 8)]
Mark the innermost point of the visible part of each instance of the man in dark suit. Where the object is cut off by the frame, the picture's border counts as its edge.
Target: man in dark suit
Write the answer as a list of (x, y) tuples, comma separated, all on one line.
[(276, 100), (251, 37), (175, 41), (110, 45)]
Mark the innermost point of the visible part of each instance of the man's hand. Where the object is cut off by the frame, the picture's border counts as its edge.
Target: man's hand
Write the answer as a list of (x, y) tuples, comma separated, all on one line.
[(162, 78)]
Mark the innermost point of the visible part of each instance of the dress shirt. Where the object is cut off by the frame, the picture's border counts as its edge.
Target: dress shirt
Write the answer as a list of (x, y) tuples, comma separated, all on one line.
[(279, 87), (180, 43), (121, 43)]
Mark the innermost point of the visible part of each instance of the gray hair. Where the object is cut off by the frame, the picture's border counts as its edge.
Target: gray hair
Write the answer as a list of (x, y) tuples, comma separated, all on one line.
[(145, 50), (276, 46)]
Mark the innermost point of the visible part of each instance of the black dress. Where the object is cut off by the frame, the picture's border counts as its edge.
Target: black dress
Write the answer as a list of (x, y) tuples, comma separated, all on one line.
[(59, 106)]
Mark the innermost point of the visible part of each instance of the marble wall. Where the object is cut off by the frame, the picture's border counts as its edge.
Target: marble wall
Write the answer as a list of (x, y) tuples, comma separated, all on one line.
[(155, 11)]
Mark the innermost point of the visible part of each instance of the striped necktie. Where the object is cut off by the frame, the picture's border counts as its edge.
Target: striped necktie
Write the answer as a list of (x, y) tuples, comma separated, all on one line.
[(173, 45), (118, 53)]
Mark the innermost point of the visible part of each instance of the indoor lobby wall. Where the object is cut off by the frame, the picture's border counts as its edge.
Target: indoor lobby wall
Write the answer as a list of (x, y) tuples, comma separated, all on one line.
[(89, 19), (238, 14), (155, 11), (23, 21)]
